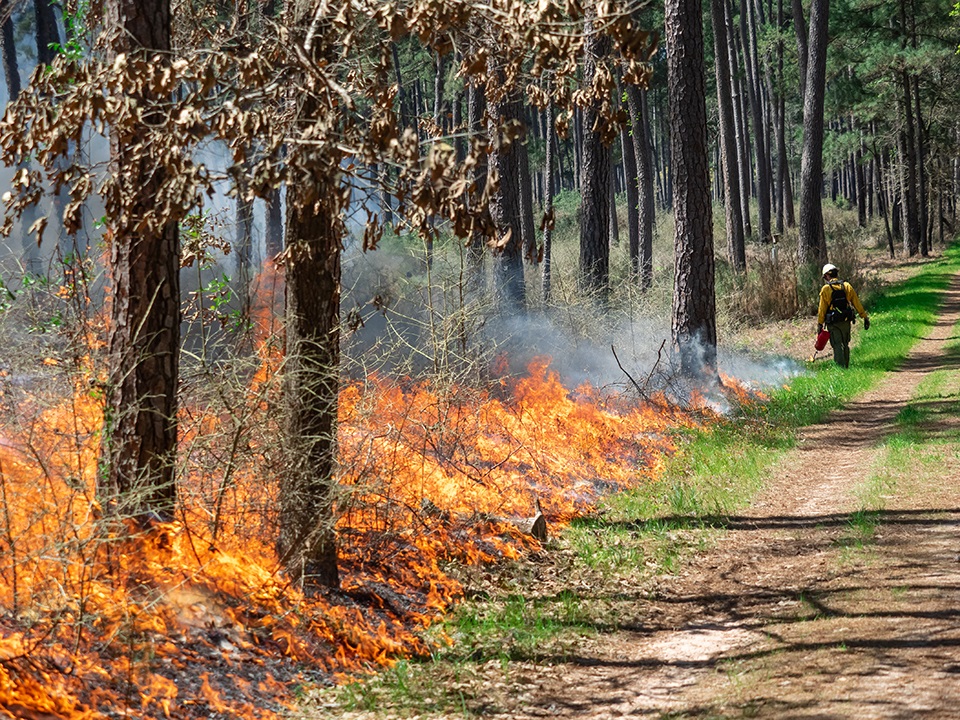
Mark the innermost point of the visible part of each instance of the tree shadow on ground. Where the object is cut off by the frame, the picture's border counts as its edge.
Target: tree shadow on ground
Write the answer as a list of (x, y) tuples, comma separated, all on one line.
[(924, 516)]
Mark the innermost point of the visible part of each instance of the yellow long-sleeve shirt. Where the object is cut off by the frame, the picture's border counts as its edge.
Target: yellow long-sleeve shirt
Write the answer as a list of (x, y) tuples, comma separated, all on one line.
[(826, 297)]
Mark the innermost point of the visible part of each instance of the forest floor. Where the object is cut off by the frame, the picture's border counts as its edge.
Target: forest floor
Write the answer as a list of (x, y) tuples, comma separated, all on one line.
[(835, 594)]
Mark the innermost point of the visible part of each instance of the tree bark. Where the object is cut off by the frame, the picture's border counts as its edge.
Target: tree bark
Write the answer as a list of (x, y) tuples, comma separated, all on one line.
[(244, 250), (403, 95), (505, 206), (800, 30), (11, 69), (861, 181), (594, 277), (139, 440), (908, 175), (526, 201), (612, 190), (647, 205), (883, 204), (456, 121), (748, 31), (577, 146), (476, 107), (273, 237), (307, 542), (633, 196), (920, 162), (439, 80), (812, 246), (736, 250), (48, 35), (740, 123), (548, 185), (693, 328)]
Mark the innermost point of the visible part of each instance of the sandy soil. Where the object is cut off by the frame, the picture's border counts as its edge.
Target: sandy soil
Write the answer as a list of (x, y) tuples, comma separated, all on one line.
[(796, 613)]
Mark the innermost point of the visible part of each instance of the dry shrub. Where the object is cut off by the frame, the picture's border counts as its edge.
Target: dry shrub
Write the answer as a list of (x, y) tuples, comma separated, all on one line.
[(768, 290), (777, 287)]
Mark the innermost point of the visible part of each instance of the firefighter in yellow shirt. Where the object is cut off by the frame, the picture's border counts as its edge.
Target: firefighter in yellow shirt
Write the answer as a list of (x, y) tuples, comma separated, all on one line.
[(838, 301)]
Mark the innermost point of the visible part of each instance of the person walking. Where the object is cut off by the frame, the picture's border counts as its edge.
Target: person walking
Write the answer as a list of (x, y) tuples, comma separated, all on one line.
[(838, 301)]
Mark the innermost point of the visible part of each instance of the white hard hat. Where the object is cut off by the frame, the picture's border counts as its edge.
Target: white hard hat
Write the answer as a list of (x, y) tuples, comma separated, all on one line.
[(828, 268)]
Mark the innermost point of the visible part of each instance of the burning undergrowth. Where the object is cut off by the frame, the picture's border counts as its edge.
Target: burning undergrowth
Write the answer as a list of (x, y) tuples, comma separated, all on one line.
[(104, 617)]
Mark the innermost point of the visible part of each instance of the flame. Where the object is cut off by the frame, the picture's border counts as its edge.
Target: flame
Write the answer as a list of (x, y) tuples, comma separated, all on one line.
[(118, 613)]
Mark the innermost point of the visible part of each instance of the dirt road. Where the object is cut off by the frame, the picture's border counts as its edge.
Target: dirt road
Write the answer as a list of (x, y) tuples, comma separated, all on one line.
[(809, 607)]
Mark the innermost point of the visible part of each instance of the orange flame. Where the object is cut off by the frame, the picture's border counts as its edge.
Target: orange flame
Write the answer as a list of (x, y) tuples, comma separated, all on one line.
[(429, 474)]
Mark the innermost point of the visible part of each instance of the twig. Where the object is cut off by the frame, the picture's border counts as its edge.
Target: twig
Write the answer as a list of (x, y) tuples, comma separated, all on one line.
[(646, 383), (659, 358), (629, 376)]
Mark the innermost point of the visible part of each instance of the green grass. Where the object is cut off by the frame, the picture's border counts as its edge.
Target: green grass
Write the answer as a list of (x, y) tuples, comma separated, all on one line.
[(517, 627)]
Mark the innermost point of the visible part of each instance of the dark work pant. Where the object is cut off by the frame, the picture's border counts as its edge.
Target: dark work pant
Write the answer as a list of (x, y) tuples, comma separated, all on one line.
[(840, 342)]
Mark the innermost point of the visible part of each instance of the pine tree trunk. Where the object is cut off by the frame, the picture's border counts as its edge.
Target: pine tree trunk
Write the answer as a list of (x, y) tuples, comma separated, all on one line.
[(548, 186), (526, 201), (920, 162), (908, 176), (403, 94), (139, 440), (647, 197), (748, 31), (594, 277), (883, 204), (456, 121), (578, 146), (812, 246), (614, 220), (800, 30), (660, 146), (476, 107), (565, 178), (667, 165), (273, 235), (640, 122), (694, 303), (11, 69), (48, 34), (633, 196), (861, 182), (505, 206), (440, 73), (781, 176), (893, 187), (742, 132), (736, 251), (307, 543), (244, 250)]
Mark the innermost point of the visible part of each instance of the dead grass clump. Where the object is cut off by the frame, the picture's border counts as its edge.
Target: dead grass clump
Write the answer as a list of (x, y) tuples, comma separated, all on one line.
[(768, 290)]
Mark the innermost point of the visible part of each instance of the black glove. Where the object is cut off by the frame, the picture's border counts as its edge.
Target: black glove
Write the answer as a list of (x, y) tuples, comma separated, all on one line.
[(819, 328), (866, 323)]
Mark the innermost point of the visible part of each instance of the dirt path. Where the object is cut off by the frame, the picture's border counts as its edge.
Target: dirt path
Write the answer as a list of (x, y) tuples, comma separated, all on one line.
[(804, 610)]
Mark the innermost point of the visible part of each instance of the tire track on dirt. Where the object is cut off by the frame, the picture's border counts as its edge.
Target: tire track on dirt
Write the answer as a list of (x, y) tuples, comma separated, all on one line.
[(784, 618)]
